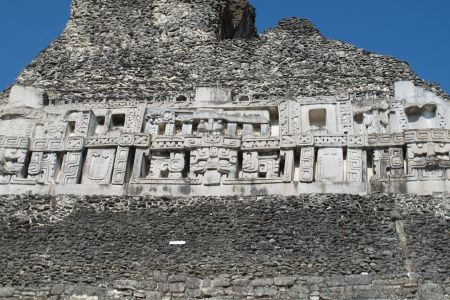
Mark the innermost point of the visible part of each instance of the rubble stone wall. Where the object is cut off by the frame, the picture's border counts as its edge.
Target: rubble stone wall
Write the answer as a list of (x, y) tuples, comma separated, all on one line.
[(336, 246), (138, 50)]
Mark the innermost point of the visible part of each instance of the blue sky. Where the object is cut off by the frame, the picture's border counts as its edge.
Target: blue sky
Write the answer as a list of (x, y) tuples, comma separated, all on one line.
[(416, 31)]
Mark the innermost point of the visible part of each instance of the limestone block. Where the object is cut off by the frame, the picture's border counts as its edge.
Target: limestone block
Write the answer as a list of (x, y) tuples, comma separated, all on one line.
[(232, 129), (307, 159), (320, 118), (21, 96), (205, 96), (424, 109), (330, 165), (404, 90), (356, 165), (265, 130), (186, 129), (12, 161), (98, 166), (247, 130)]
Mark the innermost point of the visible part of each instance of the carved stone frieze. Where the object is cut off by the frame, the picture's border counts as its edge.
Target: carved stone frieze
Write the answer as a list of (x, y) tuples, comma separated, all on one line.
[(175, 140), (120, 166), (356, 165), (168, 143), (16, 142), (388, 164), (330, 165), (330, 140), (212, 165), (428, 161), (125, 140), (12, 163), (48, 145), (71, 168), (260, 144), (98, 166), (385, 140), (307, 160), (345, 120), (42, 167), (212, 141)]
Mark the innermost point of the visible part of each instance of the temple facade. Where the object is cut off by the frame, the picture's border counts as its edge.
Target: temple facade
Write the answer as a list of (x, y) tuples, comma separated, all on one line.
[(221, 142)]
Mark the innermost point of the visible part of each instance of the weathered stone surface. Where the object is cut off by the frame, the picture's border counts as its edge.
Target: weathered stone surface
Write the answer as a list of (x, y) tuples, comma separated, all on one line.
[(70, 239), (150, 100), (166, 48), (323, 144), (284, 281)]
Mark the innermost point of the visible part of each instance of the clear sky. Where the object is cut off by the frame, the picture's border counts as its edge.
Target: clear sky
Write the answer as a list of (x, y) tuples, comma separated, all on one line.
[(417, 31)]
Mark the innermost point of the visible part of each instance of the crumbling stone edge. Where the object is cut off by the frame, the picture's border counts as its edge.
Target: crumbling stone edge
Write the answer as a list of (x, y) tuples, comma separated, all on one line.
[(161, 285)]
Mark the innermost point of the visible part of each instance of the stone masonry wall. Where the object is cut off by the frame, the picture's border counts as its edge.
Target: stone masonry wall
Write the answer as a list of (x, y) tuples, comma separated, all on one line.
[(142, 49), (333, 246)]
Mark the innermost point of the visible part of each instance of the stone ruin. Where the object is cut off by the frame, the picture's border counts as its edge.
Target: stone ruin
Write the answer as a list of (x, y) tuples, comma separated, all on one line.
[(183, 145), (120, 114), (162, 149)]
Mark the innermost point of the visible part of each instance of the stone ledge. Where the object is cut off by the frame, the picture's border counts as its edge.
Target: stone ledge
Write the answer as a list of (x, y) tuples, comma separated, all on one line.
[(341, 288)]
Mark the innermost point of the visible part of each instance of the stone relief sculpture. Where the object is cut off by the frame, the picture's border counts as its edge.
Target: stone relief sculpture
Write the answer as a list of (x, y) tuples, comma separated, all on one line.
[(12, 163), (213, 140)]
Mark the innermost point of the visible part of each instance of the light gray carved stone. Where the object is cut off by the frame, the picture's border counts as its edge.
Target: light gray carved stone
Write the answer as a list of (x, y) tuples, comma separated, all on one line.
[(428, 161), (120, 166), (71, 168), (12, 163), (42, 167), (317, 144), (25, 96), (205, 96), (356, 165), (212, 164), (330, 163), (98, 166), (307, 161)]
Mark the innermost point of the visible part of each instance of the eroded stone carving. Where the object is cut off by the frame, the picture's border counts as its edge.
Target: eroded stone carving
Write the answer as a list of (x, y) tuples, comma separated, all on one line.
[(211, 165), (429, 161), (327, 140), (42, 167), (98, 166), (356, 165), (12, 163), (307, 158), (330, 165)]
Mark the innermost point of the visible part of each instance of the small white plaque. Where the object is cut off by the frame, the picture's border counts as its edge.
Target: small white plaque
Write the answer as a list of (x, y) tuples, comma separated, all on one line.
[(177, 243)]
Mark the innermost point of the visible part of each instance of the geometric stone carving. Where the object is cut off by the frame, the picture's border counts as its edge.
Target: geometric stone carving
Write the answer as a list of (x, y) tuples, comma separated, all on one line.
[(210, 165), (428, 161), (330, 162), (264, 165), (120, 165), (356, 165), (307, 159), (252, 142), (98, 166), (388, 164), (71, 168), (250, 165), (166, 165), (12, 163), (345, 120), (398, 122), (42, 167), (16, 142)]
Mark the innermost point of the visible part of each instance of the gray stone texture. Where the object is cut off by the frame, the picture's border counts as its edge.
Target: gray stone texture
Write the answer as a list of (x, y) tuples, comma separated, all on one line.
[(256, 246), (327, 246), (142, 49)]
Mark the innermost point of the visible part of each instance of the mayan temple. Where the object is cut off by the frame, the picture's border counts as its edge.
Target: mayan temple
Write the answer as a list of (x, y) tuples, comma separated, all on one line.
[(163, 149)]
